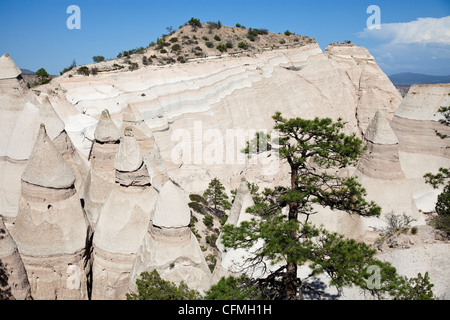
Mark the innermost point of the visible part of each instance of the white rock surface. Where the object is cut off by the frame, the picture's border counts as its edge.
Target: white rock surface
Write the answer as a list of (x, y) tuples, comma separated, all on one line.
[(12, 268), (51, 229), (8, 69), (170, 210), (169, 245)]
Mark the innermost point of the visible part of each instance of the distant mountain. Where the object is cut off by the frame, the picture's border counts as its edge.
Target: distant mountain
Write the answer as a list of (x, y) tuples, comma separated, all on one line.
[(408, 78), (26, 71)]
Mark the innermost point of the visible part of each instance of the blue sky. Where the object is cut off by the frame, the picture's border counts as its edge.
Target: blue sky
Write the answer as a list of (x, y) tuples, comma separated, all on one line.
[(414, 35)]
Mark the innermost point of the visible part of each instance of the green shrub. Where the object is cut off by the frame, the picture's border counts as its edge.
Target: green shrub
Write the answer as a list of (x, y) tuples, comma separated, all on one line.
[(282, 41), (212, 261), (208, 221), (287, 33), (209, 44), (133, 66), (42, 76), (117, 67), (223, 220), (163, 51), (198, 198), (83, 70), (217, 38), (211, 240), (251, 38), (150, 286), (176, 47), (231, 288), (94, 71), (243, 45), (195, 23), (229, 45), (97, 59), (221, 47), (173, 40)]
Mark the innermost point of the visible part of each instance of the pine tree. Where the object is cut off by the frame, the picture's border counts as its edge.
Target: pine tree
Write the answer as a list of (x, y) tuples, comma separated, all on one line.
[(216, 197), (291, 240)]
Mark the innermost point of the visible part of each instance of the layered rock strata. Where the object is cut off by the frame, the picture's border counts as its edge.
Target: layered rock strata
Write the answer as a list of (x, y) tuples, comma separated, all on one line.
[(20, 144), (169, 246), (373, 89), (122, 223), (416, 120), (12, 270), (51, 229), (381, 160), (101, 177)]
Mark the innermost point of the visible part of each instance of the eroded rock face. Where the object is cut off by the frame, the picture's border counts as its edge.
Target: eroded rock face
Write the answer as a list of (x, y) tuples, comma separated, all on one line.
[(101, 177), (169, 245), (374, 90), (20, 144), (122, 222), (10, 74), (51, 229), (417, 119), (132, 118), (230, 260), (381, 160), (12, 269)]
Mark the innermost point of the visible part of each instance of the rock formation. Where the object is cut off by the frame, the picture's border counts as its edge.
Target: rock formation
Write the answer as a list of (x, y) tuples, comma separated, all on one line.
[(102, 175), (416, 120), (122, 223), (10, 74), (20, 144), (381, 160), (231, 261), (144, 136), (169, 246), (359, 70), (12, 269), (188, 123), (51, 229)]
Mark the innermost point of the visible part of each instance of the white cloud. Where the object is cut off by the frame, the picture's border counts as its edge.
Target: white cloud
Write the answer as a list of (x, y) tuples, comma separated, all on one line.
[(420, 31)]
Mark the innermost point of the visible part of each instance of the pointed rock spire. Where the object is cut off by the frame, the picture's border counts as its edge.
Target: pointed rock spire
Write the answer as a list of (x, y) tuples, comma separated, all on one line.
[(171, 211), (106, 130), (379, 130), (11, 263), (133, 118), (131, 114), (46, 167), (129, 157), (23, 135), (53, 123), (8, 69)]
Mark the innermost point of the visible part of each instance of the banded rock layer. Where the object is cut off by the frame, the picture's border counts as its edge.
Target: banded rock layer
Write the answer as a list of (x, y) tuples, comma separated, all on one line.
[(51, 228), (122, 223)]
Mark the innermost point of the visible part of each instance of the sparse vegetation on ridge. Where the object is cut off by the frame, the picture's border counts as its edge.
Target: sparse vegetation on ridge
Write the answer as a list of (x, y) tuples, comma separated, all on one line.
[(194, 40)]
